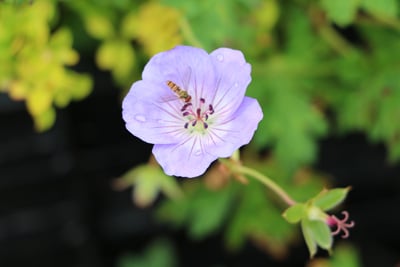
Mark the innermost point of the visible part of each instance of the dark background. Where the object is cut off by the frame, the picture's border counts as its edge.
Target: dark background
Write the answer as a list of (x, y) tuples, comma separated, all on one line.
[(57, 206)]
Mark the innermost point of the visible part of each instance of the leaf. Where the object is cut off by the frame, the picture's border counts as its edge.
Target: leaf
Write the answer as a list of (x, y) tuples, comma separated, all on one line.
[(203, 211), (342, 12), (45, 120), (384, 8), (329, 199), (158, 254), (294, 213), (257, 218), (39, 100), (148, 180), (99, 26), (291, 124), (208, 211), (345, 256)]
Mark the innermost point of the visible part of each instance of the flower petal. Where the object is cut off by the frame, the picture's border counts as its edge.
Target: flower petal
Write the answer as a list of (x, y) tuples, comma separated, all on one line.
[(233, 77), (226, 136), (188, 67), (153, 122), (188, 159)]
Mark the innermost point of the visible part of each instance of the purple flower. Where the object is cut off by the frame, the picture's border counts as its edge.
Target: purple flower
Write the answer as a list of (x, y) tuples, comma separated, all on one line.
[(191, 106)]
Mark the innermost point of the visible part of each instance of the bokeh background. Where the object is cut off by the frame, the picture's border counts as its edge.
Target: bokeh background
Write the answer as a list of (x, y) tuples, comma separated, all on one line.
[(327, 74)]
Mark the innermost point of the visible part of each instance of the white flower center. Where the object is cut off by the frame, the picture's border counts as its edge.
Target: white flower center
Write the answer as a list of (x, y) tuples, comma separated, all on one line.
[(197, 118)]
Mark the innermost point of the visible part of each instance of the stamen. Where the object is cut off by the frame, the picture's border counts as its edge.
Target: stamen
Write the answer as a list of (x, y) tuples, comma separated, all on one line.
[(193, 116), (211, 109), (185, 106)]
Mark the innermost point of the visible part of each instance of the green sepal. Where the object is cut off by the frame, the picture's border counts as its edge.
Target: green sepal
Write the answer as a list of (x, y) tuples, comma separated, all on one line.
[(308, 237), (316, 233), (329, 199), (322, 234), (295, 213)]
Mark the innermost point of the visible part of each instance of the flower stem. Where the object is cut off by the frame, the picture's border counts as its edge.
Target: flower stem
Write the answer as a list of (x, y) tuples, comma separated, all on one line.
[(268, 182)]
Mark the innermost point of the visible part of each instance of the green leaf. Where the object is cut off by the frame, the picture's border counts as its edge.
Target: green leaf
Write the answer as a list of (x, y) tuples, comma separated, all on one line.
[(308, 237), (208, 211), (256, 217), (203, 211), (329, 199), (291, 124), (295, 213), (148, 181), (99, 26), (342, 12), (345, 256), (158, 254), (385, 8)]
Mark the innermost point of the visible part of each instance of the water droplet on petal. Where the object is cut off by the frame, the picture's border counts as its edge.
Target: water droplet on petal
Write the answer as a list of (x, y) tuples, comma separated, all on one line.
[(220, 57), (140, 118), (198, 153), (236, 84)]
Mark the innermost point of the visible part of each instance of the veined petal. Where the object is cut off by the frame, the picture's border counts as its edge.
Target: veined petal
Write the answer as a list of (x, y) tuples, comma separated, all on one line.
[(186, 159), (188, 67), (153, 122), (233, 77), (228, 135)]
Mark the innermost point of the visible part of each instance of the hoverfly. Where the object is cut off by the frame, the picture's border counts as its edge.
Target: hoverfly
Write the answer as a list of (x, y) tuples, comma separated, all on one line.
[(180, 93)]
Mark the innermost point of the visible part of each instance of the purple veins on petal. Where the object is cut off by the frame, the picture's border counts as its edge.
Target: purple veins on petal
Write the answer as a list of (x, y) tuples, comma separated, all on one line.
[(213, 122)]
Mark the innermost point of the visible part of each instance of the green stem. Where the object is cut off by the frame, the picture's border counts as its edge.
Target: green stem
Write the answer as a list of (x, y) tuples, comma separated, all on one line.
[(268, 182)]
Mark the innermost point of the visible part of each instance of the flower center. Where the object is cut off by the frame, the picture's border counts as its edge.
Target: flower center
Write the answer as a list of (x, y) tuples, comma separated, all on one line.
[(197, 116)]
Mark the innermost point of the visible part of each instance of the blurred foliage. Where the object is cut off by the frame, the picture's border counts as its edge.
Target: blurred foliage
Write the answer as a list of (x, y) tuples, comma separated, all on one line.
[(345, 256), (160, 253), (33, 57), (148, 180), (220, 203), (320, 68)]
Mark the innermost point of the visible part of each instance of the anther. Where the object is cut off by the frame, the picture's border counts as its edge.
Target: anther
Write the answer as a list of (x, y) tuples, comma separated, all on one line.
[(211, 109), (185, 106)]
